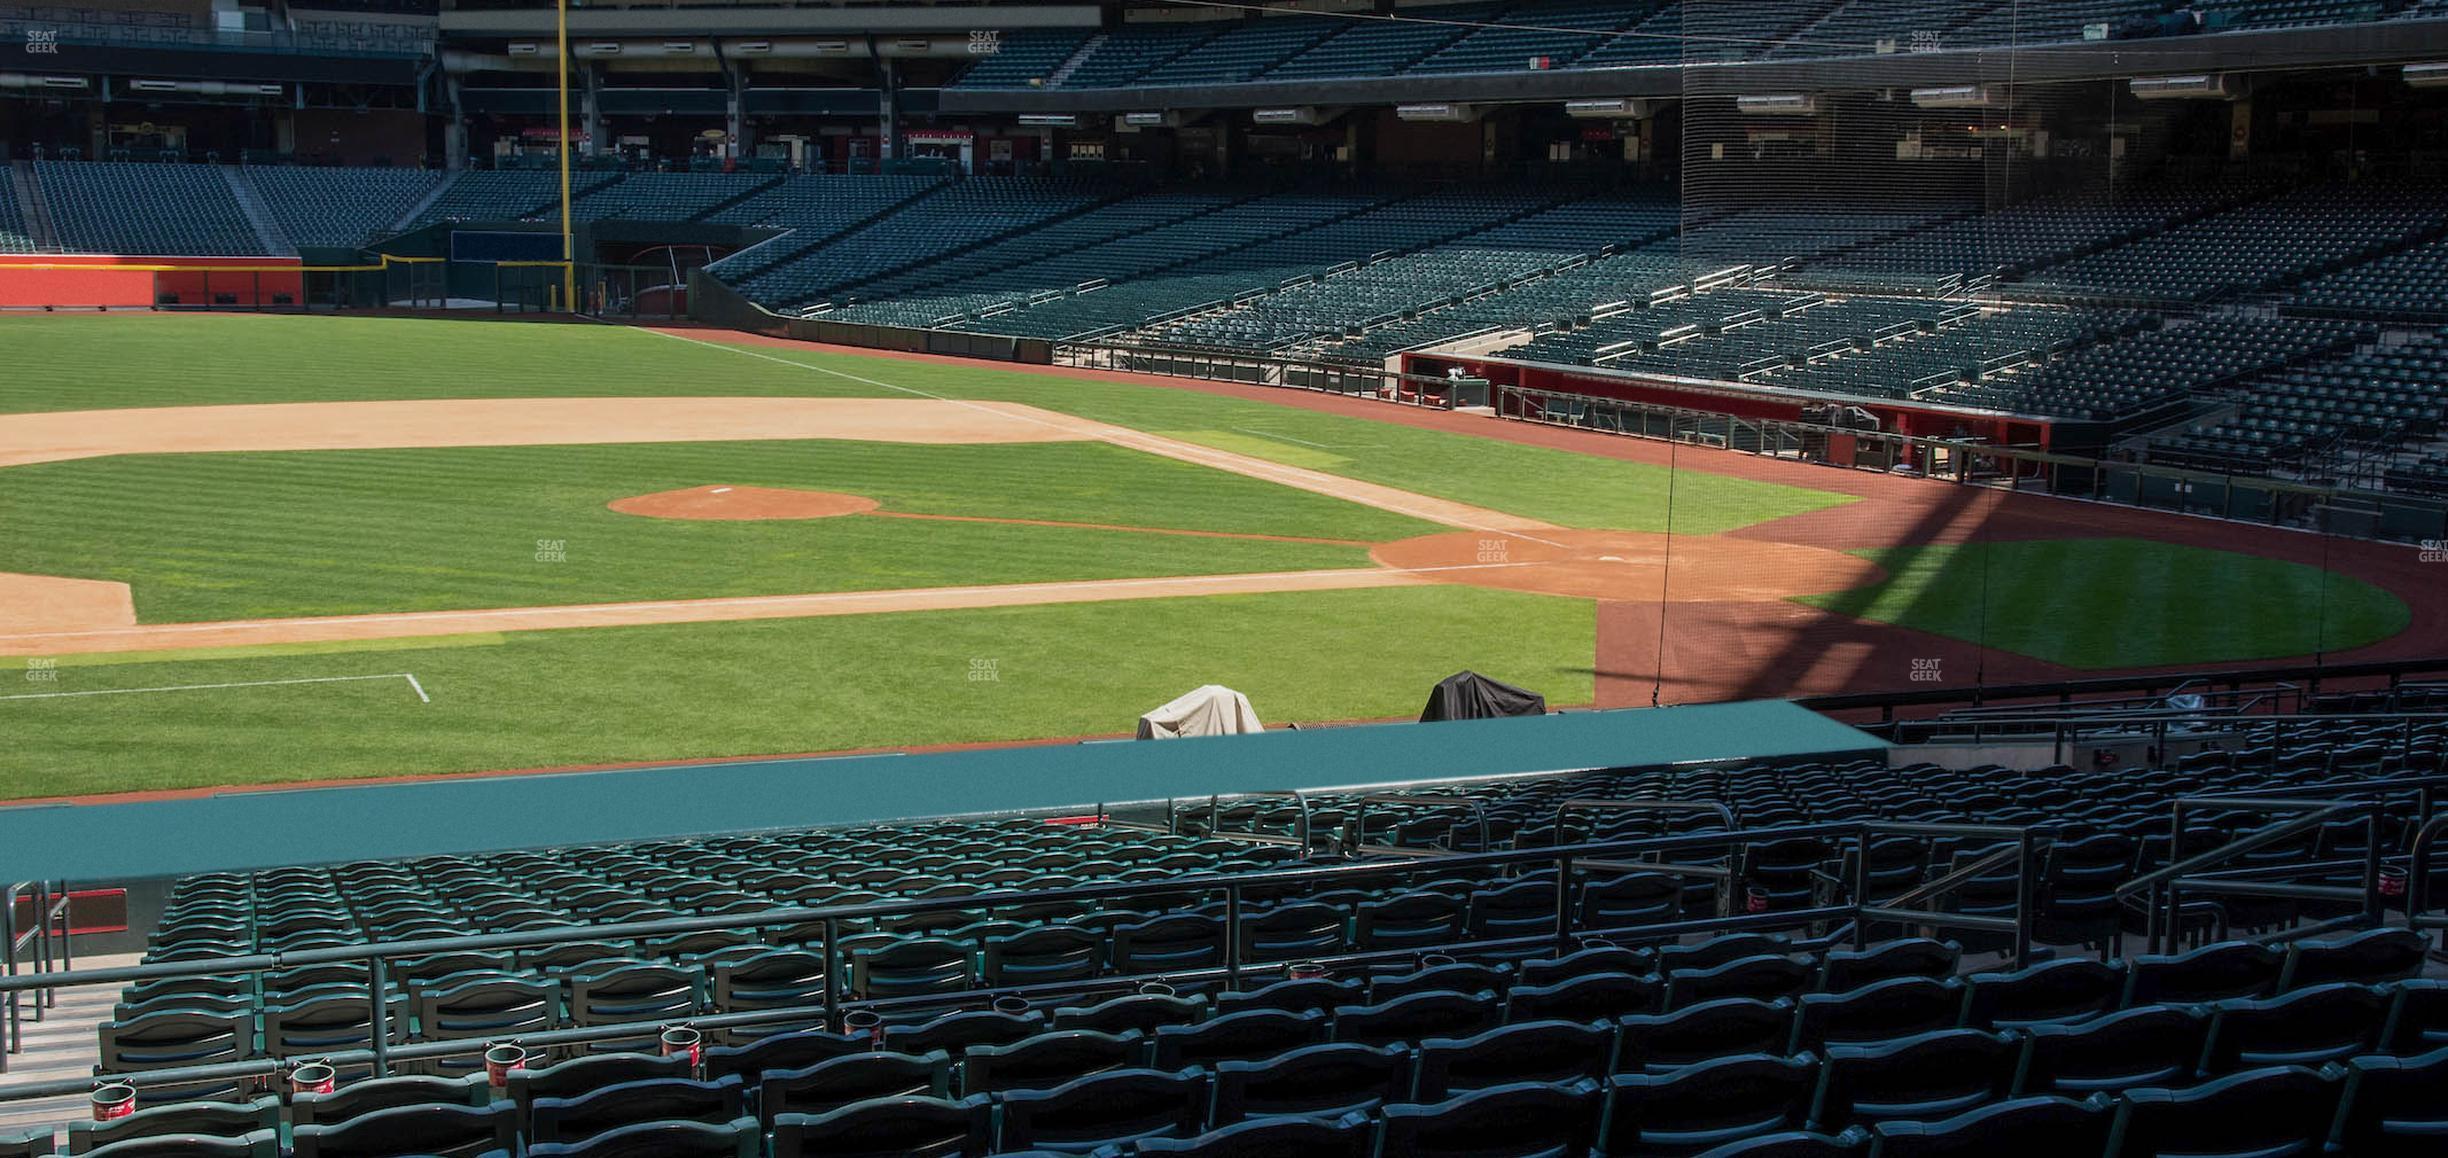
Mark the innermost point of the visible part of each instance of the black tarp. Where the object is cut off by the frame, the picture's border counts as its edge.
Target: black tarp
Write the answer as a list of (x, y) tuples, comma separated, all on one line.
[(1467, 695)]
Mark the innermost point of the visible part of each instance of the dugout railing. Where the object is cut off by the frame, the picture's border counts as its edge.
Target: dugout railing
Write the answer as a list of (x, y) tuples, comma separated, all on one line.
[(2245, 498), (1840, 921)]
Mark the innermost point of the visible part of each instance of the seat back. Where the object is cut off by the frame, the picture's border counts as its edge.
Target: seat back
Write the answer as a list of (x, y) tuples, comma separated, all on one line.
[(2279, 1110), (673, 1138), (1520, 1119), (1418, 1016), (836, 1082), (1336, 1078), (1696, 1033), (1048, 1059), (907, 1127), (1529, 1051), (2158, 1045), (1929, 1075), (440, 1131), (2304, 1027), (2042, 1125), (1102, 1109), (1251, 1033), (2393, 1107), (624, 1104), (1690, 1109)]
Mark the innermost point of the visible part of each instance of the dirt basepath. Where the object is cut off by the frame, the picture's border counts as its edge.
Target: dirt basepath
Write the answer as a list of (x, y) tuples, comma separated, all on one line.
[(49, 602), (326, 629), (62, 435)]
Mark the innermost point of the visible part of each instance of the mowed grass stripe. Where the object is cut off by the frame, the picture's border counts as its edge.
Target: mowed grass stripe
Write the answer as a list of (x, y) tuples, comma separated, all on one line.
[(770, 686), (176, 360), (2121, 603), (350, 532)]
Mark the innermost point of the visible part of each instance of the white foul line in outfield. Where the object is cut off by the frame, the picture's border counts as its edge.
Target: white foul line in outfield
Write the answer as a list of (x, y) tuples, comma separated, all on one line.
[(413, 685)]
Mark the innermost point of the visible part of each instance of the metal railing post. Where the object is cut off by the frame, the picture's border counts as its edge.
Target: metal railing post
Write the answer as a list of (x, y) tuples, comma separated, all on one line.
[(832, 973), (1563, 899), (379, 988), (1232, 932)]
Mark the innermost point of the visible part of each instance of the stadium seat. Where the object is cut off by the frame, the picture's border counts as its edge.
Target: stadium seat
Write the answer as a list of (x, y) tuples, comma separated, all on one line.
[(622, 1104), (1519, 1120), (1694, 1108), (1245, 1036), (1524, 1051), (2392, 1106), (441, 1131), (919, 1127), (1125, 1105), (2019, 1126), (2156, 1045), (1351, 1136), (837, 1082), (2064, 990), (1048, 1059), (2305, 1027), (1929, 1075), (739, 1138), (1654, 1043), (2279, 1110), (1313, 1081)]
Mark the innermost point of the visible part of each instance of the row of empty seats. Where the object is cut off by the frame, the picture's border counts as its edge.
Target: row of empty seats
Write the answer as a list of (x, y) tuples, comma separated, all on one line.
[(1534, 35)]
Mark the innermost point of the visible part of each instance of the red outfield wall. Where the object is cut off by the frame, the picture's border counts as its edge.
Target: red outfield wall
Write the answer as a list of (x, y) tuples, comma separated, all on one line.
[(85, 281)]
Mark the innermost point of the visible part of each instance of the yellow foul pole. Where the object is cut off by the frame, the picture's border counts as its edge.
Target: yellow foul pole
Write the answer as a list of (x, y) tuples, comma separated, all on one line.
[(569, 252)]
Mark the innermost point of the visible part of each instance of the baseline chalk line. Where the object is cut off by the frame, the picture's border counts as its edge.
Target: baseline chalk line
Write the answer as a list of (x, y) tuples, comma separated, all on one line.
[(413, 685)]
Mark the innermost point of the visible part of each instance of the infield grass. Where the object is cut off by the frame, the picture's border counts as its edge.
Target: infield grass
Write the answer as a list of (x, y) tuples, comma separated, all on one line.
[(240, 536), (108, 361)]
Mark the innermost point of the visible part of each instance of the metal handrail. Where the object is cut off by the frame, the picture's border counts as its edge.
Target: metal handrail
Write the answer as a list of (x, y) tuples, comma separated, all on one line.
[(2172, 880), (379, 955), (2418, 876), (2024, 854), (1215, 810), (1646, 804), (1359, 827)]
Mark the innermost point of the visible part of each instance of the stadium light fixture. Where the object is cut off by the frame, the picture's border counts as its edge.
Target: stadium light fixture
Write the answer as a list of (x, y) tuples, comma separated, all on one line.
[(1298, 115), (2210, 86), (2432, 74), (1610, 108), (1778, 104), (1956, 96), (1437, 112), (1049, 120)]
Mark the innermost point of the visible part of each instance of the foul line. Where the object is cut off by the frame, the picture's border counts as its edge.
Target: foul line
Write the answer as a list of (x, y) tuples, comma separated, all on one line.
[(1305, 442), (413, 685)]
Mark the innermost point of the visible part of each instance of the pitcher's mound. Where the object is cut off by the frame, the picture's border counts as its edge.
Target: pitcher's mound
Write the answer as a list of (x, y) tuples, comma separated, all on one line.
[(727, 502)]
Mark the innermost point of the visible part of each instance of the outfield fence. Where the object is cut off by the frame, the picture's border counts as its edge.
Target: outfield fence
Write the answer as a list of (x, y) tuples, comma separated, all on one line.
[(273, 285)]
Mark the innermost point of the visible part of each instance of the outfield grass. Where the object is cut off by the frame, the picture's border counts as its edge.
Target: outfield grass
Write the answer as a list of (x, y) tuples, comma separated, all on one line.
[(772, 686), (106, 361), (2121, 603), (233, 536)]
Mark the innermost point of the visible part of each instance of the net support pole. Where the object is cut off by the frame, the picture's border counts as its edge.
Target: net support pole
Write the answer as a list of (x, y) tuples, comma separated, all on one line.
[(569, 268)]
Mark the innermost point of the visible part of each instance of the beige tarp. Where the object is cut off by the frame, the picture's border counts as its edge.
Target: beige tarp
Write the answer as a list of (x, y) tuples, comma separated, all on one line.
[(1208, 711)]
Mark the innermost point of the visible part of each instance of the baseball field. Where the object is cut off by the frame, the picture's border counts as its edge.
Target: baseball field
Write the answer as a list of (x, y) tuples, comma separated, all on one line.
[(260, 549)]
